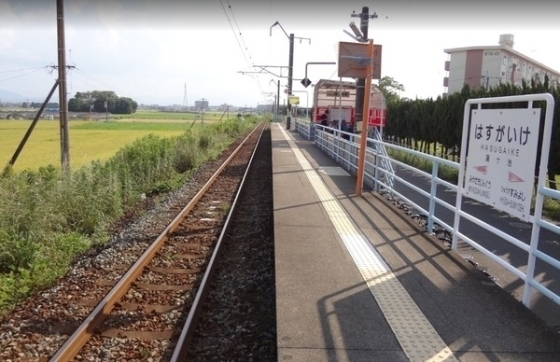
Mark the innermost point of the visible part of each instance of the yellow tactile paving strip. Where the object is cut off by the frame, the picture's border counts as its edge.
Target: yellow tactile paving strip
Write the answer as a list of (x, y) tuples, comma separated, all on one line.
[(417, 337)]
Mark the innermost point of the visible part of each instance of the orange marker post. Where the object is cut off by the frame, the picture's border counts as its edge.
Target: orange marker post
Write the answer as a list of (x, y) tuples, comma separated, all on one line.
[(365, 122)]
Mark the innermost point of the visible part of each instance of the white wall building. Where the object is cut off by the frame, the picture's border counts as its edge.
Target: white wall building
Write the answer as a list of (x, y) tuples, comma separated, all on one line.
[(488, 66), (201, 104)]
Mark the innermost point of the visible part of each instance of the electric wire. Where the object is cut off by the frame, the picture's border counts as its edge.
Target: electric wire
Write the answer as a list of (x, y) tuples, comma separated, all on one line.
[(83, 80), (22, 75), (98, 81), (93, 82), (20, 70)]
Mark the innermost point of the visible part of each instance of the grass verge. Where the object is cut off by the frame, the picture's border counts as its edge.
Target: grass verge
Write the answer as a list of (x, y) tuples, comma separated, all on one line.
[(47, 218)]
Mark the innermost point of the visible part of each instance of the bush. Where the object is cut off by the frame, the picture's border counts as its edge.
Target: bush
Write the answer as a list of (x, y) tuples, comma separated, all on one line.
[(185, 156), (47, 217)]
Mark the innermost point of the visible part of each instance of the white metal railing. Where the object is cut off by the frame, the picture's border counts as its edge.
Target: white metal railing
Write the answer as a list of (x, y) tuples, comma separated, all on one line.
[(343, 147), (305, 128), (383, 162), (379, 174)]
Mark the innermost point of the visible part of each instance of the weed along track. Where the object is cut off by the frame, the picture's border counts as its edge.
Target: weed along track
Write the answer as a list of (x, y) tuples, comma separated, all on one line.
[(150, 301), (142, 302)]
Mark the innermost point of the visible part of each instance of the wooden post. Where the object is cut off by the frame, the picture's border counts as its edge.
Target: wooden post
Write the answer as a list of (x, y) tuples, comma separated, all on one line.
[(365, 121)]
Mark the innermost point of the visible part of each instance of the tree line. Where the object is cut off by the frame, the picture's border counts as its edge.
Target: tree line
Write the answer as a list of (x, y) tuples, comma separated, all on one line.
[(101, 101), (425, 124), (39, 104)]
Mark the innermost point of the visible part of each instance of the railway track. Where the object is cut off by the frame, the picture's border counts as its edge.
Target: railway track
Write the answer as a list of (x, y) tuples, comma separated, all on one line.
[(146, 304)]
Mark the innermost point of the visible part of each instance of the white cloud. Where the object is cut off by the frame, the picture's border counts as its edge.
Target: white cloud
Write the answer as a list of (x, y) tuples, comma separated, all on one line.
[(148, 50), (6, 32)]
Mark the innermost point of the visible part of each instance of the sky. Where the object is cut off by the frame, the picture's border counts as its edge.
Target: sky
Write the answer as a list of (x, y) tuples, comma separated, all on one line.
[(226, 51)]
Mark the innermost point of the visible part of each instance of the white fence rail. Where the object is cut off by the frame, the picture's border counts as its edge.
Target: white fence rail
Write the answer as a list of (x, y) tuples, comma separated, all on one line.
[(435, 199)]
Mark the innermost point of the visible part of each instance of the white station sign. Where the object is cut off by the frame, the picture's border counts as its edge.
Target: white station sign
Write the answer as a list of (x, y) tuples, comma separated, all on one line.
[(502, 153)]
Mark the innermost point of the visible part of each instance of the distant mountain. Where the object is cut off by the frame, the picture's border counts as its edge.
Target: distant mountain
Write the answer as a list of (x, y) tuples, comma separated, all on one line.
[(7, 96)]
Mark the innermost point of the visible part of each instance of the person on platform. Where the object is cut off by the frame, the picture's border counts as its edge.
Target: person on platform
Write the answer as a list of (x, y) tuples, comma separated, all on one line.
[(325, 118), (344, 126)]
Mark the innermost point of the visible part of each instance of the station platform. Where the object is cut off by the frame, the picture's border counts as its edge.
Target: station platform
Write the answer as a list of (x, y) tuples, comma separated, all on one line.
[(358, 280)]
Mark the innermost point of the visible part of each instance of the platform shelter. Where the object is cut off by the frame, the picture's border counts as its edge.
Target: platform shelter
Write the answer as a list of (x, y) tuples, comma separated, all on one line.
[(339, 98)]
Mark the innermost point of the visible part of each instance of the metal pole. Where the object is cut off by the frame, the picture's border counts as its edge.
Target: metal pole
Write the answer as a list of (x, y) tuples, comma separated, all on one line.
[(360, 82), (307, 101), (290, 75), (339, 104), (63, 104), (307, 106), (278, 99)]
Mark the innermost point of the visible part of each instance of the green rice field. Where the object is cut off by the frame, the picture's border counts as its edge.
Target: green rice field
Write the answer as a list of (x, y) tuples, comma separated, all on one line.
[(89, 140), (151, 116)]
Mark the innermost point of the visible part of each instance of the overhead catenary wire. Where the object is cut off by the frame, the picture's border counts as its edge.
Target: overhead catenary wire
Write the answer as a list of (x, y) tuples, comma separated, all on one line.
[(239, 30), (235, 34), (238, 35)]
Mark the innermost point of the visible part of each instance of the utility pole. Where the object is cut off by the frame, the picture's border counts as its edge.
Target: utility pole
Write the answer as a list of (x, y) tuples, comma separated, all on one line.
[(278, 98), (290, 78), (360, 82), (63, 104), (202, 112), (291, 38), (185, 102)]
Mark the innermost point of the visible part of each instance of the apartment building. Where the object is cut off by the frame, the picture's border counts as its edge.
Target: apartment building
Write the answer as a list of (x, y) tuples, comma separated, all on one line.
[(488, 66)]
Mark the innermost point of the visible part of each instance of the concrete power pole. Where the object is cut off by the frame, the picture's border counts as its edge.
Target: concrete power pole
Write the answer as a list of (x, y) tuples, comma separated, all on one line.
[(278, 98), (360, 82), (290, 79), (63, 104), (291, 38), (185, 101)]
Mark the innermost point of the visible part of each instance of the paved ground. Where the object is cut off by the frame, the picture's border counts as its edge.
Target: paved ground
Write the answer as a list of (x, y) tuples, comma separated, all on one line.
[(549, 243), (357, 280)]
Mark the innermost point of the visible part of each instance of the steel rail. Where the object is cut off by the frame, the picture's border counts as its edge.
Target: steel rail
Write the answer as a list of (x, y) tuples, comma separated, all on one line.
[(83, 333), (185, 339)]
